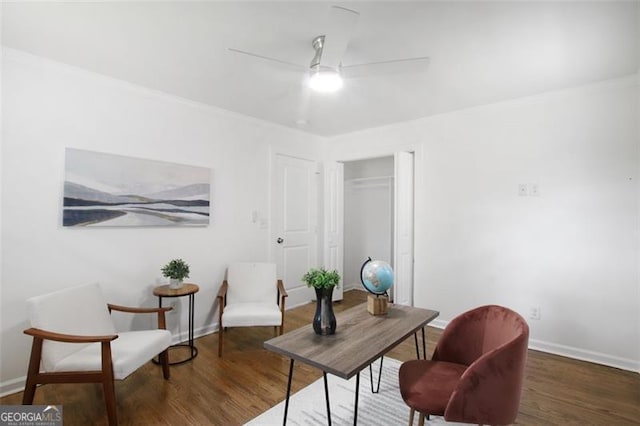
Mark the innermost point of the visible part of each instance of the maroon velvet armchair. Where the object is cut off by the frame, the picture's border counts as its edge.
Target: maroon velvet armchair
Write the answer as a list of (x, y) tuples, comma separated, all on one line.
[(475, 374)]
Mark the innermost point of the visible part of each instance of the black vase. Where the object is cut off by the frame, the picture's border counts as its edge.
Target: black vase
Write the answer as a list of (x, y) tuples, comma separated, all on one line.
[(324, 321)]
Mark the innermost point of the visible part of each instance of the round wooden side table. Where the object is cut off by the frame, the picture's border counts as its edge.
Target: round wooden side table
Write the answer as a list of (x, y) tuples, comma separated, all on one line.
[(186, 290)]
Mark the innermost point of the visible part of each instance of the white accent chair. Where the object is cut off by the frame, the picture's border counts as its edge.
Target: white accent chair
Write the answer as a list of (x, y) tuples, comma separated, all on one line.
[(75, 341), (250, 296)]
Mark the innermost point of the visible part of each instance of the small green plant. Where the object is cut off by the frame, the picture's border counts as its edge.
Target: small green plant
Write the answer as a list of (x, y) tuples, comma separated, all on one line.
[(321, 278), (176, 269)]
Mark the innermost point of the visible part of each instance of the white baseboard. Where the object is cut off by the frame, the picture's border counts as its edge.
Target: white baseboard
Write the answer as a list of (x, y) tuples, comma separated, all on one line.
[(437, 323), (571, 352), (585, 355), (299, 304), (12, 386), (353, 286), (198, 332)]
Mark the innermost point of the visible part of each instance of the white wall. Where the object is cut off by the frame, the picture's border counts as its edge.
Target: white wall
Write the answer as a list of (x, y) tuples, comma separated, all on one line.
[(49, 106), (572, 251)]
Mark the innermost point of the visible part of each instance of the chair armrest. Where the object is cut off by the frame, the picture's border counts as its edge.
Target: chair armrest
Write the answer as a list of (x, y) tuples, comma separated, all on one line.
[(134, 310), (222, 292), (281, 290), (162, 322), (492, 384), (282, 293), (68, 338), (222, 300)]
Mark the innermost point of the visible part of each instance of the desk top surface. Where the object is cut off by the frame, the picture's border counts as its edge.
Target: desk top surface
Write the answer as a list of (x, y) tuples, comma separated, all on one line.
[(360, 338)]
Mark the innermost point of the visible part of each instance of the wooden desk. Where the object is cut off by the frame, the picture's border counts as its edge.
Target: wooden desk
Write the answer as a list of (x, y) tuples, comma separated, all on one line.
[(360, 339), (186, 290)]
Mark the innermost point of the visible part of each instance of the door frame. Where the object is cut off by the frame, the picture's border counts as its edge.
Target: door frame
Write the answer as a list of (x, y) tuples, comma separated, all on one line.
[(333, 221), (404, 226), (417, 155)]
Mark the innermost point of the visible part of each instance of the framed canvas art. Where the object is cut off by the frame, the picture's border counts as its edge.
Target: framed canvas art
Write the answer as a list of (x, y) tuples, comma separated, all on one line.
[(113, 190)]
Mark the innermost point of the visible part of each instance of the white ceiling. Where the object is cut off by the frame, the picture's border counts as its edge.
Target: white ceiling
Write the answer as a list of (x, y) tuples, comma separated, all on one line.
[(481, 52)]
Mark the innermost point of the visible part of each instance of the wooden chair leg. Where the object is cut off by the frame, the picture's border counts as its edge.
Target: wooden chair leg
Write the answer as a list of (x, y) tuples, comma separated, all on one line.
[(108, 385), (221, 329), (164, 360), (110, 401), (29, 392), (220, 341), (421, 419), (411, 414), (32, 374)]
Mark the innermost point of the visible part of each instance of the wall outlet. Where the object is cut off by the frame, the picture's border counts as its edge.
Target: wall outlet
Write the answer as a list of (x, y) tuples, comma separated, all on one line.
[(534, 190), (175, 305), (534, 312)]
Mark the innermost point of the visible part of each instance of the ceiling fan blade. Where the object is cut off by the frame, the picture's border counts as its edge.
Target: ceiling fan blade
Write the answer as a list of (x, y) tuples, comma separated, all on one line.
[(267, 58), (342, 22), (394, 66)]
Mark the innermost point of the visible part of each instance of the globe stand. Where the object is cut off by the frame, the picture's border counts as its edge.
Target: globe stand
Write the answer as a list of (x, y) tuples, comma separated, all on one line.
[(377, 304)]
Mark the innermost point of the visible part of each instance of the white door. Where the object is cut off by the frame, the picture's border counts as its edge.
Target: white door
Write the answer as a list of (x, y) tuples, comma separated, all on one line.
[(295, 220), (403, 228), (334, 221)]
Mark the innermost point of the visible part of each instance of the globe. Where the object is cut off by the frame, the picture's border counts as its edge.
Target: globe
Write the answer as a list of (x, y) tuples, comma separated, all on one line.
[(376, 276)]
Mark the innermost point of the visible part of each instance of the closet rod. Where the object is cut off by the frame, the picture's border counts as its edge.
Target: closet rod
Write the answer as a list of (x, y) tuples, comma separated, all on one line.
[(367, 179)]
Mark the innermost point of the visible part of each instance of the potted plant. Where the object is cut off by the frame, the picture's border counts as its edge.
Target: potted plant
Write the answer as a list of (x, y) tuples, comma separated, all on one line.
[(323, 281), (321, 278), (176, 270)]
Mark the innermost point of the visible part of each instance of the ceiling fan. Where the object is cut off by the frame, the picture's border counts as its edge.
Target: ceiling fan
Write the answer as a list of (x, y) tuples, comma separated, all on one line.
[(326, 70)]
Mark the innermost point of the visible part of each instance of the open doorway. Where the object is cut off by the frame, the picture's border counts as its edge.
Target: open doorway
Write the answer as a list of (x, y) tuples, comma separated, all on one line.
[(368, 215)]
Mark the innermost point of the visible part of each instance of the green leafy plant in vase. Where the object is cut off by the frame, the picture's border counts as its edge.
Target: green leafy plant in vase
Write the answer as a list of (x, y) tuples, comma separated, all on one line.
[(323, 281), (176, 270)]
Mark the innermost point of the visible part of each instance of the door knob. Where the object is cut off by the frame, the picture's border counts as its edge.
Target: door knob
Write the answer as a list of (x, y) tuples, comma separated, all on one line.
[(279, 240)]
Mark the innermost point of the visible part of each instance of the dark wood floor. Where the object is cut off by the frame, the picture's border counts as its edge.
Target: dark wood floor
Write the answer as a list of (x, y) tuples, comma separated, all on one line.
[(249, 380)]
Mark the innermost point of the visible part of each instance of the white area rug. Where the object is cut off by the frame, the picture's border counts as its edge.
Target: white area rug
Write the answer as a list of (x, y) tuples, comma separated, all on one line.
[(308, 406)]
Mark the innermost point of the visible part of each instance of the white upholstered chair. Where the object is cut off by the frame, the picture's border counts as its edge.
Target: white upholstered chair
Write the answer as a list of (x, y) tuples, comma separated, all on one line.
[(251, 296), (74, 341)]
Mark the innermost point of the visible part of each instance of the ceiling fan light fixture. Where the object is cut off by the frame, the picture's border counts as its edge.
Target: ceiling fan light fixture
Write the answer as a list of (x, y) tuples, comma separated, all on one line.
[(325, 81)]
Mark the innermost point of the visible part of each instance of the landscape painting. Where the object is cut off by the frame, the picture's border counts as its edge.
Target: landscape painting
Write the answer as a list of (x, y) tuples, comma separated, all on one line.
[(113, 190)]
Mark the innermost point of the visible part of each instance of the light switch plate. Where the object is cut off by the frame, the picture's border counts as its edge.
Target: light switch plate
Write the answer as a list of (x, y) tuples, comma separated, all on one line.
[(522, 190)]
